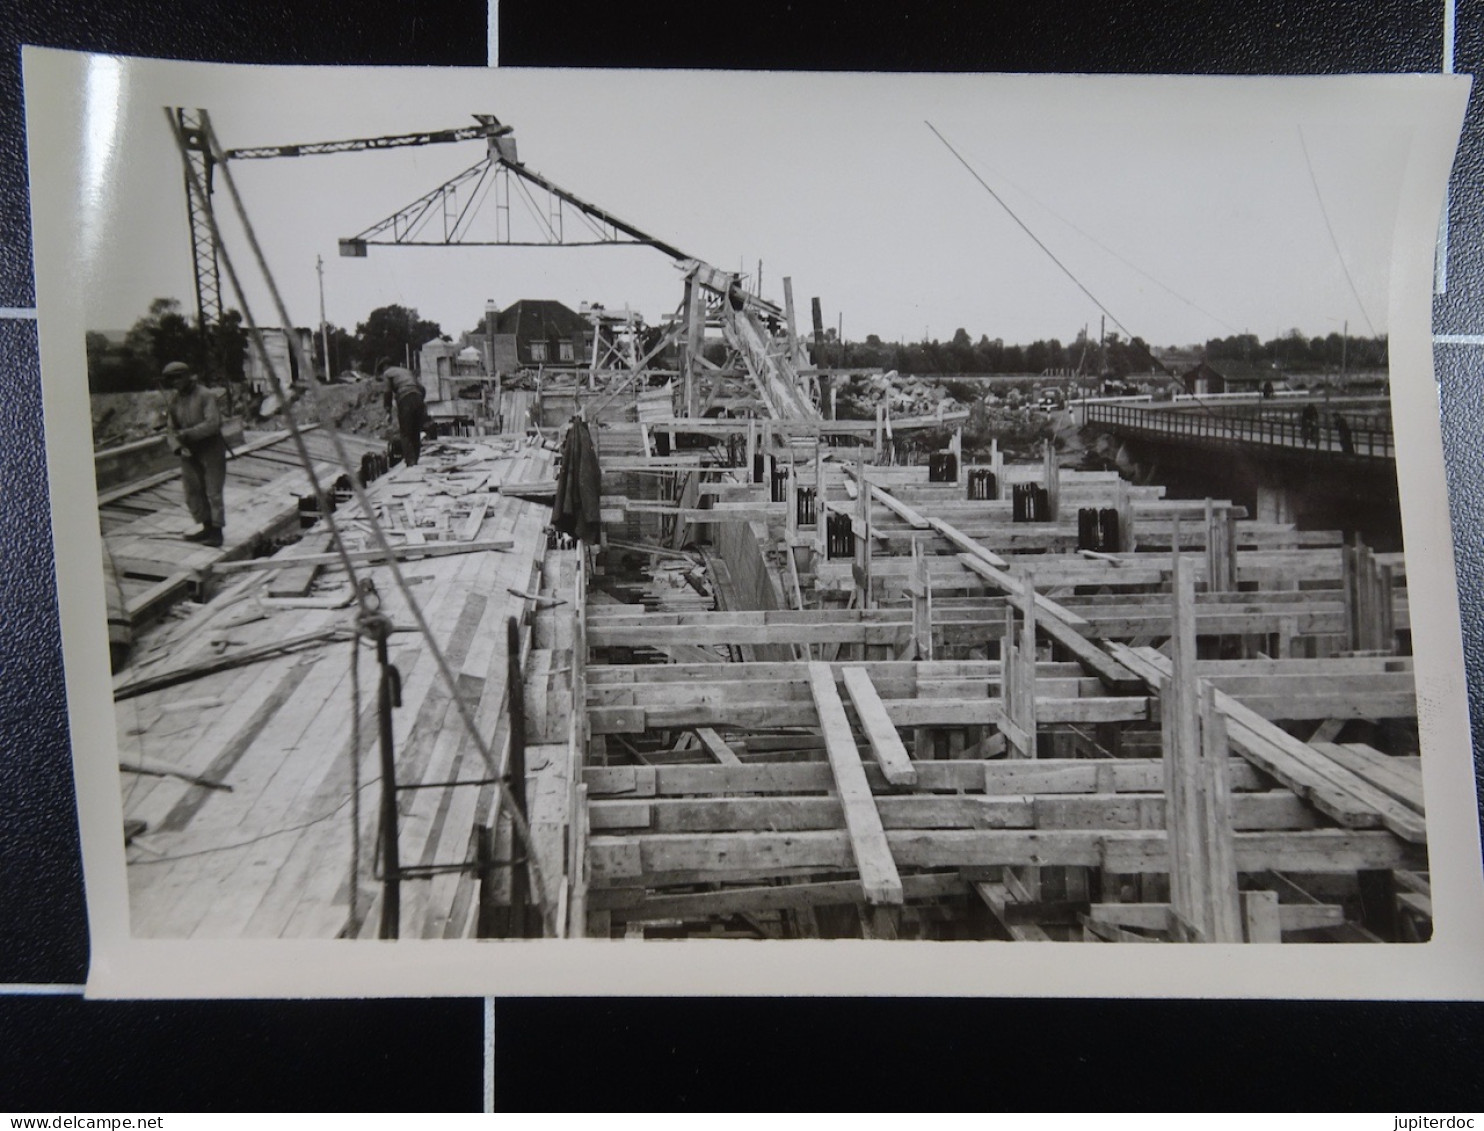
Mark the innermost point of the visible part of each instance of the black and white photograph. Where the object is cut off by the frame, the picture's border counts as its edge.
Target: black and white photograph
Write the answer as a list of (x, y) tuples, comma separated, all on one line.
[(885, 515)]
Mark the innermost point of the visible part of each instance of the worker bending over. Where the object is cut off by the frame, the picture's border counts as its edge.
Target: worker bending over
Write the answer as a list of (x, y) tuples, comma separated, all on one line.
[(406, 392), (193, 424)]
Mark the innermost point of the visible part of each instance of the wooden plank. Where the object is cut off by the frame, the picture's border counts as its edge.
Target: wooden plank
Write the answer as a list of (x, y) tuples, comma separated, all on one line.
[(896, 506), (634, 904), (1379, 769), (296, 581), (868, 844), (1095, 811), (716, 747), (142, 685), (470, 530), (997, 897), (716, 857), (900, 712), (1330, 787), (1052, 620), (967, 547), (1047, 776), (1261, 917), (886, 744), (1291, 916), (401, 553)]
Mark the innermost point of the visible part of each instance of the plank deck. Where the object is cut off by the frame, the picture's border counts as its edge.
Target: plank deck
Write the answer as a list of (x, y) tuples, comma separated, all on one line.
[(271, 858)]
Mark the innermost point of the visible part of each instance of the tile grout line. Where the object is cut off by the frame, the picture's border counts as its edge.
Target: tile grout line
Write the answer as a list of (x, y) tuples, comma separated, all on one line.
[(492, 31), (18, 313), (489, 1056), (40, 989), (1440, 271)]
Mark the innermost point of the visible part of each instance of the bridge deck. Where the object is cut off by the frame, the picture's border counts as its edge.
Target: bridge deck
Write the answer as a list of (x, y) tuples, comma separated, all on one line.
[(1287, 432)]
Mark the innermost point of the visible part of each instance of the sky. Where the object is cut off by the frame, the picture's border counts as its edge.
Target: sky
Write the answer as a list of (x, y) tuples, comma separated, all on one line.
[(1185, 209)]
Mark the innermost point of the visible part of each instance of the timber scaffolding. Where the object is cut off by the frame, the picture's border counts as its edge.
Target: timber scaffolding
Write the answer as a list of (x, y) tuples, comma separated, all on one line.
[(819, 697), (925, 706)]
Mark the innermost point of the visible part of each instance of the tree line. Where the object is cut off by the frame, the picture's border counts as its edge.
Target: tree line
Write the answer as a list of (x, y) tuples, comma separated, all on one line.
[(992, 355), (1295, 353), (1115, 356), (166, 333)]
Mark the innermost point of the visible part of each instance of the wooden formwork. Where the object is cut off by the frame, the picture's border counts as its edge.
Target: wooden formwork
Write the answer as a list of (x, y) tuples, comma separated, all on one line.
[(973, 727)]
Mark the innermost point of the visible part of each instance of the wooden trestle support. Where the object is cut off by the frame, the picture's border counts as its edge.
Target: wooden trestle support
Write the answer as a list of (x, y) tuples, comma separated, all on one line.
[(971, 728)]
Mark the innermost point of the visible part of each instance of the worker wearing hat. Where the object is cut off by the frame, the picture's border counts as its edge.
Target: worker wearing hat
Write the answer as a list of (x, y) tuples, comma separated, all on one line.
[(193, 424)]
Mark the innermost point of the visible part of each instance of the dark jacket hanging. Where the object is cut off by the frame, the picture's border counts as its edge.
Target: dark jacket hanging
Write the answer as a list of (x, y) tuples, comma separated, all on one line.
[(579, 486)]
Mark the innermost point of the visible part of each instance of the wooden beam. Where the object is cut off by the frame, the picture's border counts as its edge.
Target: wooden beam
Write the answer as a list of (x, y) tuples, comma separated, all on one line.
[(1290, 916), (1335, 790), (1262, 920), (966, 545), (143, 685), (716, 747), (1060, 624), (886, 744), (618, 861), (868, 844), (901, 712), (1253, 812), (636, 904), (1046, 776), (401, 553), (997, 897), (891, 503)]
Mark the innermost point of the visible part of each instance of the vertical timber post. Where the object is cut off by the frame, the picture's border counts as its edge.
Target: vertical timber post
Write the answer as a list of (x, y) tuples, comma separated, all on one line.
[(515, 692), (1204, 902), (389, 696)]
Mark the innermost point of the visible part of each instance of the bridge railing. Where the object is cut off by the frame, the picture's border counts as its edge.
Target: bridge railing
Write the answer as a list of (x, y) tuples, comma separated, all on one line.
[(1286, 432)]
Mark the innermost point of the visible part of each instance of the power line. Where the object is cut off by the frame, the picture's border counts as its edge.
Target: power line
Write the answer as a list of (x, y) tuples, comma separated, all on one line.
[(1132, 266), (1037, 240), (1323, 211)]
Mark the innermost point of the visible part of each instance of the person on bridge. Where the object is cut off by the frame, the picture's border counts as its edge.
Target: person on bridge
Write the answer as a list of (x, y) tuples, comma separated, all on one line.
[(193, 426), (406, 392), (1342, 429), (1309, 424)]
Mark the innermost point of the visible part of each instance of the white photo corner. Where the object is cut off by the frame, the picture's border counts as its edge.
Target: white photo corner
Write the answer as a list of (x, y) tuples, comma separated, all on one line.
[(875, 534)]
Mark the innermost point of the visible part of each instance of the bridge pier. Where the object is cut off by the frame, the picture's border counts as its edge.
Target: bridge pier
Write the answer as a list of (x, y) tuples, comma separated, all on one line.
[(1276, 503), (1259, 465)]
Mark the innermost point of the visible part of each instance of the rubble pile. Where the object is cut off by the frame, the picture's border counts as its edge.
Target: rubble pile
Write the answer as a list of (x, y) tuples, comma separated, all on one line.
[(902, 395), (121, 418), (354, 408)]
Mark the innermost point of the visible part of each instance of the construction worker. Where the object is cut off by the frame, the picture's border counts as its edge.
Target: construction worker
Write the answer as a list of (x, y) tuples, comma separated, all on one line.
[(193, 424), (406, 392)]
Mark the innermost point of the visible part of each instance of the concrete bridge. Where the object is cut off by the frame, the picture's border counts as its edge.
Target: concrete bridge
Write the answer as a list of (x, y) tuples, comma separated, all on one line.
[(1332, 477), (1282, 433)]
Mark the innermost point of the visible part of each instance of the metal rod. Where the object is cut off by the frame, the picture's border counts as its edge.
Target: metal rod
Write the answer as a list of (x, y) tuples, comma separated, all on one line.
[(389, 696)]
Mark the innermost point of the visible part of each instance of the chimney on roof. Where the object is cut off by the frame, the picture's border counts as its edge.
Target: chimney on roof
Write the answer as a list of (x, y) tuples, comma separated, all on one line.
[(491, 312)]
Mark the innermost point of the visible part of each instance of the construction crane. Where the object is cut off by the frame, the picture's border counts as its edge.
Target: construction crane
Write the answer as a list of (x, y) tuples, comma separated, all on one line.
[(444, 217)]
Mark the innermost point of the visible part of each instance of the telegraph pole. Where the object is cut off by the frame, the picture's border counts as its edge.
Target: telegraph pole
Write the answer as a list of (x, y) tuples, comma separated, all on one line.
[(324, 327)]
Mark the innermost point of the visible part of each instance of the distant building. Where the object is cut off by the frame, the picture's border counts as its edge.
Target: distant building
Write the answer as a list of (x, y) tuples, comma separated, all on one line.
[(282, 355), (529, 335), (1228, 376), (536, 334)]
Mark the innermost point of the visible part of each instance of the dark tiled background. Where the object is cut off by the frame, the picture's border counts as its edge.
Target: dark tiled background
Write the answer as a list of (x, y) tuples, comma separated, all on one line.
[(622, 1055)]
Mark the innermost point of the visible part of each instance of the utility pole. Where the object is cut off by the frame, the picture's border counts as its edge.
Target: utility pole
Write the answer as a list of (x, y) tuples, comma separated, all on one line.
[(1344, 348), (324, 327)]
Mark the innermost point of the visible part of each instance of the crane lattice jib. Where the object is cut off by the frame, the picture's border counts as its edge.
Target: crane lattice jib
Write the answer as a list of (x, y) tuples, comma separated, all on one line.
[(487, 129), (198, 177), (406, 227)]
